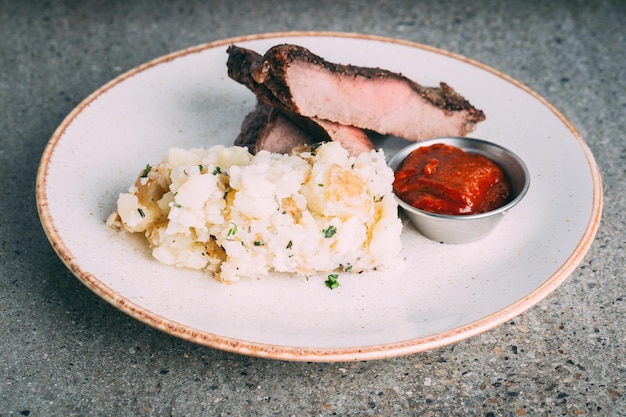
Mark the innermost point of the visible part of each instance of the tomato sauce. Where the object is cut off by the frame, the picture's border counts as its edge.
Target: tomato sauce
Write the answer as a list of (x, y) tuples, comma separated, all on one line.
[(445, 179)]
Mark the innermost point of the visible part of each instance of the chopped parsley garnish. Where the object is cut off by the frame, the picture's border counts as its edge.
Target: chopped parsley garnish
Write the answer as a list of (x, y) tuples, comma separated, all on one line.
[(232, 230), (315, 146), (176, 205), (330, 231), (347, 268), (259, 243), (217, 170), (332, 281), (141, 213), (200, 167), (146, 171)]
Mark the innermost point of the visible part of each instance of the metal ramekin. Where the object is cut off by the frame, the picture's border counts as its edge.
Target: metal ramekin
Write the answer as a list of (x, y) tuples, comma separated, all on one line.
[(466, 228)]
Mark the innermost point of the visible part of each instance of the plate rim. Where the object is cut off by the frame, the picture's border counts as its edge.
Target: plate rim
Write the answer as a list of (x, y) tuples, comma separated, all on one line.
[(304, 354)]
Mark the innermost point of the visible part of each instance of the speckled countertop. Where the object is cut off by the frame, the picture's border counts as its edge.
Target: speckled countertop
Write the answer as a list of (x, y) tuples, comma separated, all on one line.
[(66, 352)]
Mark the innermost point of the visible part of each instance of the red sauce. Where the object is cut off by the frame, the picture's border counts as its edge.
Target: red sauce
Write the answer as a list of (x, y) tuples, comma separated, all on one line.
[(445, 179)]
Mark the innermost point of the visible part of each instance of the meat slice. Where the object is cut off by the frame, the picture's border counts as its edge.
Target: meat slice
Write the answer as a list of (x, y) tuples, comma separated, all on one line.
[(266, 128), (239, 64), (280, 135), (270, 114), (252, 125), (367, 98), (353, 139)]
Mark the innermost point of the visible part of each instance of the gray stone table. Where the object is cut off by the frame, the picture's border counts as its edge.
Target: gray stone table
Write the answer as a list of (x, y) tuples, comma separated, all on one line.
[(65, 352)]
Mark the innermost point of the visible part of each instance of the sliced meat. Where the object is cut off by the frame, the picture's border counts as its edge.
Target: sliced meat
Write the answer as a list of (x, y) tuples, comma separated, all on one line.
[(256, 124), (252, 125), (280, 135), (239, 63), (367, 98), (267, 128), (353, 139)]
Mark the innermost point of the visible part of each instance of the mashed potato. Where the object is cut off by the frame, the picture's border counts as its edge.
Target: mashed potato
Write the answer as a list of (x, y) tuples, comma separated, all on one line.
[(238, 215)]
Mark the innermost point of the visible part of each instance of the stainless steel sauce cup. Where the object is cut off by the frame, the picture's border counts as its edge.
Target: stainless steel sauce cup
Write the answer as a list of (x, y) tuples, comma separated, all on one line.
[(447, 228)]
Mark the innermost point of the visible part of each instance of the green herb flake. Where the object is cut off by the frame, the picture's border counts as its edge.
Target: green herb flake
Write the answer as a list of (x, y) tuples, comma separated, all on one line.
[(141, 213), (315, 146), (200, 167), (330, 231), (347, 268), (320, 185), (232, 230), (176, 205), (289, 244), (217, 171), (259, 243), (332, 281), (146, 171)]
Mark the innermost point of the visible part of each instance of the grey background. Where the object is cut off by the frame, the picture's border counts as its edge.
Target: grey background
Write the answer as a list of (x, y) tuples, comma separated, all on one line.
[(66, 352)]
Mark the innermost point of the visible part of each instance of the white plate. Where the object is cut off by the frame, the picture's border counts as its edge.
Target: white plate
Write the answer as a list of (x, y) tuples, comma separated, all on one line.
[(438, 294)]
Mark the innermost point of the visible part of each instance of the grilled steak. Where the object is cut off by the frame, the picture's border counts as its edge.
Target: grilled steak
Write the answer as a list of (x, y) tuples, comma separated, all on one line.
[(239, 63), (367, 98), (252, 125), (268, 125), (280, 135), (266, 128), (353, 139)]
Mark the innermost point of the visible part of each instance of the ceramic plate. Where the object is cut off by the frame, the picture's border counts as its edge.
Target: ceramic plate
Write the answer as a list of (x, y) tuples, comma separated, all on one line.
[(435, 295)]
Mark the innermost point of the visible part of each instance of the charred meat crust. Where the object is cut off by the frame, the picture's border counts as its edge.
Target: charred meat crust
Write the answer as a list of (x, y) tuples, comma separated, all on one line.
[(331, 101), (239, 64), (270, 71), (255, 124)]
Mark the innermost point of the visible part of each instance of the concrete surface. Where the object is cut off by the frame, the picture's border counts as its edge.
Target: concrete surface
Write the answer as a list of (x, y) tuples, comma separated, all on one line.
[(65, 352)]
